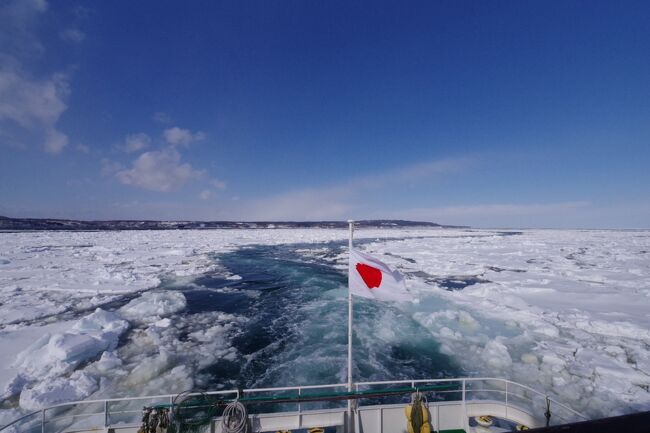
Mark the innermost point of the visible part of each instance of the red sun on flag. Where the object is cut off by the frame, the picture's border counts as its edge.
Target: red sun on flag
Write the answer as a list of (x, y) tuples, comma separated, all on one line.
[(371, 276)]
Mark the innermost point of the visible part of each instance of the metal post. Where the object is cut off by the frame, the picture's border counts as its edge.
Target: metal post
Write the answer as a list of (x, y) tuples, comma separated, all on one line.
[(299, 405), (465, 420), (350, 415), (105, 413), (172, 421), (506, 399), (299, 410), (43, 421)]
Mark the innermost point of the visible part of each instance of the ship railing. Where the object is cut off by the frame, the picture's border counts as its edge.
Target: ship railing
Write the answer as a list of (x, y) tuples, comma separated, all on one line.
[(127, 411), (506, 392)]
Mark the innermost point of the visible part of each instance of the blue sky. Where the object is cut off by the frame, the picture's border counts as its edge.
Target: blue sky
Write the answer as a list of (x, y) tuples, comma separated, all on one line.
[(492, 114)]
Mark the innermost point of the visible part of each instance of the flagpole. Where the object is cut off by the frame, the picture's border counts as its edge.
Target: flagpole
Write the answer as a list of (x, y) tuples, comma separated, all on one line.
[(350, 417), (351, 223)]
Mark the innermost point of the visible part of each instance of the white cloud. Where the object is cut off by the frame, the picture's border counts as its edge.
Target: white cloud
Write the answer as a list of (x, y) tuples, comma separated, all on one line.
[(342, 200), (159, 171), (162, 117), (34, 105), (82, 12), (504, 209), (109, 167), (72, 35), (218, 184), (136, 142), (31, 103), (22, 10), (561, 214), (306, 204), (177, 136), (83, 148), (18, 18), (55, 141), (410, 173)]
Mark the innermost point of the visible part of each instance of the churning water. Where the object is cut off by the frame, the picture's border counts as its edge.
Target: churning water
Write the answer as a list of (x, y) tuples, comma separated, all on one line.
[(295, 304)]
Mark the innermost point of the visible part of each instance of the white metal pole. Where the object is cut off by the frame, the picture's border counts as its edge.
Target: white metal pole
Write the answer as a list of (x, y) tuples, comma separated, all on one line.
[(350, 426), (351, 223)]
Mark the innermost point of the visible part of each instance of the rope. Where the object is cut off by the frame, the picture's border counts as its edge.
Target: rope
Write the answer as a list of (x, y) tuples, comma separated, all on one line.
[(235, 418), (416, 420), (192, 411)]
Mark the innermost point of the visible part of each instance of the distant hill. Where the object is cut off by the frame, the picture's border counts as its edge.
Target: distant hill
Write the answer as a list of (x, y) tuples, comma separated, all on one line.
[(18, 224)]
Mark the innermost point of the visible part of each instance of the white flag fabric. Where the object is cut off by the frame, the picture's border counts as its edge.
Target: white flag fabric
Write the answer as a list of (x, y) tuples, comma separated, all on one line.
[(371, 278)]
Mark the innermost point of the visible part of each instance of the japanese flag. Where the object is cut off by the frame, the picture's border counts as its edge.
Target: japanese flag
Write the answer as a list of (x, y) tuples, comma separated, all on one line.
[(371, 278)]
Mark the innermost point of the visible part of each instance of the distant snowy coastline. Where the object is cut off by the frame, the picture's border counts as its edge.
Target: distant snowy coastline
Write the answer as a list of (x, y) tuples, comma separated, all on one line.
[(20, 224)]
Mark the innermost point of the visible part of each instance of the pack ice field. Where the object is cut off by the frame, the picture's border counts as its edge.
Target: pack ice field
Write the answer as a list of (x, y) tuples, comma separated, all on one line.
[(116, 313)]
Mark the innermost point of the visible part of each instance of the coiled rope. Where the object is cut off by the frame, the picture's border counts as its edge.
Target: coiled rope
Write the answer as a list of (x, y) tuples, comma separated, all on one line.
[(235, 418), (192, 411)]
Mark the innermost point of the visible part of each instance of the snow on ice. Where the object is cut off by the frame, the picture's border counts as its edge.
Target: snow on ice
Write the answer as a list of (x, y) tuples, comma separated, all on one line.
[(563, 311), (41, 367)]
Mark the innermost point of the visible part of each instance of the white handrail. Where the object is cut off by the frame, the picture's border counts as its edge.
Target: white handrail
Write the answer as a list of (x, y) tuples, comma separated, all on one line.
[(475, 379), (169, 397)]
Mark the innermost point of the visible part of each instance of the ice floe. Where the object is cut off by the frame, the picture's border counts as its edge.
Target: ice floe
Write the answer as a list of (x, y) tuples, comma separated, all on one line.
[(40, 368), (152, 306)]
